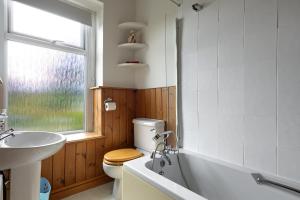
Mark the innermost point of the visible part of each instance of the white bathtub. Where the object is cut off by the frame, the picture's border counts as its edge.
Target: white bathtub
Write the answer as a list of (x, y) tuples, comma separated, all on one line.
[(206, 178)]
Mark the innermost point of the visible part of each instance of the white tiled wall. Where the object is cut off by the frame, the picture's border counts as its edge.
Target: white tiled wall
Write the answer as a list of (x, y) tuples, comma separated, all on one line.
[(241, 83)]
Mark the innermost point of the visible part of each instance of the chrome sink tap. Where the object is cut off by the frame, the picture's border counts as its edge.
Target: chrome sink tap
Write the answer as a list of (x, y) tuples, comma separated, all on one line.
[(7, 133)]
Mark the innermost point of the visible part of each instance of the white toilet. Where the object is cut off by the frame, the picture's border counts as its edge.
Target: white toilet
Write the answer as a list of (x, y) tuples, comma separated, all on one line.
[(143, 134)]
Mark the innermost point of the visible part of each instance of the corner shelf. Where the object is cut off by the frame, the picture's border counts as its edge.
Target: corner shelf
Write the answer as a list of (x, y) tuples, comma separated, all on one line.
[(125, 28), (132, 65), (132, 25), (132, 46)]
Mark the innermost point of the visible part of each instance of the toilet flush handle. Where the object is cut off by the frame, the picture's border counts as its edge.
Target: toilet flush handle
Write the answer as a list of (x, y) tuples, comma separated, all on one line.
[(153, 130)]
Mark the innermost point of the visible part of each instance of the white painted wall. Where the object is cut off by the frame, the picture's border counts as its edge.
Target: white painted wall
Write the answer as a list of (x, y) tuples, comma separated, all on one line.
[(115, 12), (160, 36), (240, 83)]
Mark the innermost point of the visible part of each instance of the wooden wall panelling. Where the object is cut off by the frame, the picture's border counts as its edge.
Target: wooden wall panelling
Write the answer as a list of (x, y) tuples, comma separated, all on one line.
[(80, 161), (98, 111), (70, 164), (108, 121), (59, 169), (165, 104), (77, 167), (123, 117), (100, 145), (97, 124), (116, 119), (101, 112), (140, 103), (118, 124), (90, 159), (148, 103), (131, 114), (153, 104), (47, 169), (158, 103)]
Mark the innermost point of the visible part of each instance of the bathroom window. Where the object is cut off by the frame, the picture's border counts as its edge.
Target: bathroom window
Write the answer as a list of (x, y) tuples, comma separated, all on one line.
[(45, 25), (47, 60)]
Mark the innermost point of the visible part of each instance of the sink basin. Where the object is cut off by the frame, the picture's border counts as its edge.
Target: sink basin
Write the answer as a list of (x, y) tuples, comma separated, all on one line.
[(28, 147), (23, 154)]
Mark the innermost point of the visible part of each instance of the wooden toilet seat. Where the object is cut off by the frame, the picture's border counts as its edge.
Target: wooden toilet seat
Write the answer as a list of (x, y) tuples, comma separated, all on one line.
[(118, 157)]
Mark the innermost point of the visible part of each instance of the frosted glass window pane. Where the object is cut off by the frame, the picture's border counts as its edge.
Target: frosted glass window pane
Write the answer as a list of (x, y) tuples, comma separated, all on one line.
[(38, 23), (45, 89)]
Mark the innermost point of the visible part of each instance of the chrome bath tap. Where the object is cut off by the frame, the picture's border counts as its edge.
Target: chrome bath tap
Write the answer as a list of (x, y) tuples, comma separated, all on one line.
[(7, 133), (165, 151), (162, 152)]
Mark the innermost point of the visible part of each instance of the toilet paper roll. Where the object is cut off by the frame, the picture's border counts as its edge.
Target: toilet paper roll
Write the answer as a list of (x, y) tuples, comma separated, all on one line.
[(110, 106)]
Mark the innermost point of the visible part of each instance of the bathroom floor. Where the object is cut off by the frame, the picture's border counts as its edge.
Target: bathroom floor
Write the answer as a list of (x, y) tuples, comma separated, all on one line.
[(102, 192)]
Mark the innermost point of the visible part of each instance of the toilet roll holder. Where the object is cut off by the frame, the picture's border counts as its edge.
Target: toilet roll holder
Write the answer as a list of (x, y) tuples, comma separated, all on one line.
[(109, 107), (108, 100)]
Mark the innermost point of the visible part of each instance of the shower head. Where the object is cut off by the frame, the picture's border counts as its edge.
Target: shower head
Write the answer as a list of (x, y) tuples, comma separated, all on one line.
[(197, 7)]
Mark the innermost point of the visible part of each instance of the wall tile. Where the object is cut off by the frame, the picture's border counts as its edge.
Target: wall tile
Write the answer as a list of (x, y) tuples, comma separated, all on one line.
[(231, 78), (289, 131), (260, 56), (231, 81), (260, 84), (248, 73), (190, 141), (260, 143), (208, 102), (208, 37), (189, 35), (231, 102), (190, 114), (289, 163), (260, 88), (208, 136), (230, 139), (207, 79), (288, 89), (231, 34)]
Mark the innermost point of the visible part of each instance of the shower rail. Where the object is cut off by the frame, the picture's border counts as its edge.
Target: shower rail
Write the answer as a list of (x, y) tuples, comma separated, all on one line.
[(260, 180)]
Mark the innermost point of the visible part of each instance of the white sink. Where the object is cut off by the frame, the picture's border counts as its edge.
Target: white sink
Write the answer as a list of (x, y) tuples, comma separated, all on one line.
[(28, 147), (23, 154)]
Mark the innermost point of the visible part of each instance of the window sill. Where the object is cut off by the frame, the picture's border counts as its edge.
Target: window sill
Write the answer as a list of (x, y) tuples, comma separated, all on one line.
[(78, 137)]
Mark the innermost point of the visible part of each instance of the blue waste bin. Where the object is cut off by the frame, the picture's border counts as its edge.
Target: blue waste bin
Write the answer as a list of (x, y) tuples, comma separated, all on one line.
[(45, 189)]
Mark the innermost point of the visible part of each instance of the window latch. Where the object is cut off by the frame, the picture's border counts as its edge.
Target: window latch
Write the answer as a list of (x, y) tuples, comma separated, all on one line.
[(57, 42)]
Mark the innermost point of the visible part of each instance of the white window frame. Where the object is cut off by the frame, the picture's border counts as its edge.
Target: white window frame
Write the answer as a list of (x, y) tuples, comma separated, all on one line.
[(42, 42), (92, 52)]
